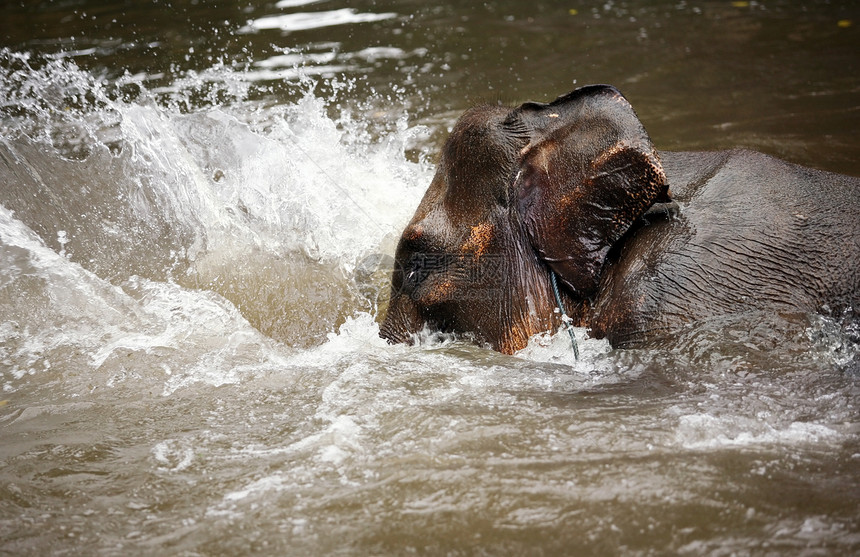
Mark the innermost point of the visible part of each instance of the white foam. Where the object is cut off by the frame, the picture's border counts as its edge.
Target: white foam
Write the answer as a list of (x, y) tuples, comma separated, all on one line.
[(294, 3), (223, 346), (298, 66), (173, 455), (208, 337), (556, 348), (295, 59), (372, 54), (704, 431), (303, 21)]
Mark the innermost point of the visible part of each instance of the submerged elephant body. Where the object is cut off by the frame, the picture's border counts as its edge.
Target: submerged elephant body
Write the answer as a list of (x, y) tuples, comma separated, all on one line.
[(752, 233), (643, 242)]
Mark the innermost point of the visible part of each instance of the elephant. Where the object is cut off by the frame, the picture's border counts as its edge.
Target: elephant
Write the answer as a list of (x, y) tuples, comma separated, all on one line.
[(643, 243)]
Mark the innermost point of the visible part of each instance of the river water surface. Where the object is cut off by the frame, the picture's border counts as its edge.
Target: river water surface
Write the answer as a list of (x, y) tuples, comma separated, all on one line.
[(198, 206)]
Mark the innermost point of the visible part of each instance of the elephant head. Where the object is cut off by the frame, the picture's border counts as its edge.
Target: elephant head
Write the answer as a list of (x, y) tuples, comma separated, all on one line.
[(520, 193)]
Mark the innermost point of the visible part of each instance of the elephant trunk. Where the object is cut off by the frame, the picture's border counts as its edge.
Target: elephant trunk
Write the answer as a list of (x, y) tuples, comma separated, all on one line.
[(402, 320)]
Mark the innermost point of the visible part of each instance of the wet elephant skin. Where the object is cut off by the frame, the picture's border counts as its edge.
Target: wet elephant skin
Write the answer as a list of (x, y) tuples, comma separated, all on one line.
[(643, 242)]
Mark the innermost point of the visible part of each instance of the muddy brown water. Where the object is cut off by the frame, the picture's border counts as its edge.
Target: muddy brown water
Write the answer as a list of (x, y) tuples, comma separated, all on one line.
[(198, 204)]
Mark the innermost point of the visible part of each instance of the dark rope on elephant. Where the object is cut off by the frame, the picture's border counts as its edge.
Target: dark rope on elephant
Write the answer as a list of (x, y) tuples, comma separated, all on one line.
[(564, 318)]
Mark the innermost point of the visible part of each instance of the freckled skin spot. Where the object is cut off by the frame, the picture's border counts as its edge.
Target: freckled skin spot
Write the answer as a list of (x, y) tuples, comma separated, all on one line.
[(607, 154), (414, 232), (479, 239), (441, 293)]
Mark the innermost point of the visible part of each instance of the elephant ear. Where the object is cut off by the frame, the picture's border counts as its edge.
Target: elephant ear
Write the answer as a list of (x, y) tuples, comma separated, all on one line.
[(588, 172)]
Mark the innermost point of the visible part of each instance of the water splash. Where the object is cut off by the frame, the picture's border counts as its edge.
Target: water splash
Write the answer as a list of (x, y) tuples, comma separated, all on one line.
[(270, 206)]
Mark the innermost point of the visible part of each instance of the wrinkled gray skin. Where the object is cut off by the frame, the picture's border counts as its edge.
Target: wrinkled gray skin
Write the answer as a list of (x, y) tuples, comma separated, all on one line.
[(643, 242)]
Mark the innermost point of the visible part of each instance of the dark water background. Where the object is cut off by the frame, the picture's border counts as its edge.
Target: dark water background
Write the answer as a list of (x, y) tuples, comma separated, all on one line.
[(196, 204), (777, 76)]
